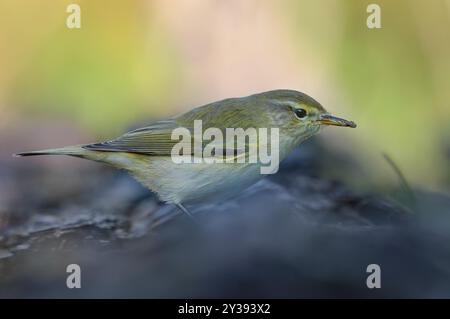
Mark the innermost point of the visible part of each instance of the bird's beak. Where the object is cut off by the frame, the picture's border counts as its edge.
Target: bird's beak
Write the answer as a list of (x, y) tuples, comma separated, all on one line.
[(327, 119)]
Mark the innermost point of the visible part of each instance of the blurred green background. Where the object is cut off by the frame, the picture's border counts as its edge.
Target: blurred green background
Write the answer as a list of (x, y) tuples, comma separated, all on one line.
[(133, 61)]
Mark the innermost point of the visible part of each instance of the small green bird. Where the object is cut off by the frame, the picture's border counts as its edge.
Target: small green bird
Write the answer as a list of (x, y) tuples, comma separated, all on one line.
[(147, 153)]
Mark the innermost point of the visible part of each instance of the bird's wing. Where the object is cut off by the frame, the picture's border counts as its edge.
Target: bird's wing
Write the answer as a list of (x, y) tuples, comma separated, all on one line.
[(154, 139)]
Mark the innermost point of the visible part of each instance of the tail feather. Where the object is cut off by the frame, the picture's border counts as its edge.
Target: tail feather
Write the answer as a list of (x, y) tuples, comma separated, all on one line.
[(77, 150)]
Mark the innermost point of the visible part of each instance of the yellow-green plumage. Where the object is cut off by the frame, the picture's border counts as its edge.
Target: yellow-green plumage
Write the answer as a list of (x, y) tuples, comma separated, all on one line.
[(146, 152)]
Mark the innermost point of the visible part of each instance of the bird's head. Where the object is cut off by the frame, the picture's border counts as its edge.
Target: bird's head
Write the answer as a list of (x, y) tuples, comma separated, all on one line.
[(297, 114)]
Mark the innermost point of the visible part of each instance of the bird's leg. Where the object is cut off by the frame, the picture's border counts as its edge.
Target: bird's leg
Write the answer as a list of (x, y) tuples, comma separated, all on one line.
[(184, 210)]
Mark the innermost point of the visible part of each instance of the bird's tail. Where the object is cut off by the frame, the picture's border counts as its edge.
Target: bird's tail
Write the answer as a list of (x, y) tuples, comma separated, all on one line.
[(76, 150)]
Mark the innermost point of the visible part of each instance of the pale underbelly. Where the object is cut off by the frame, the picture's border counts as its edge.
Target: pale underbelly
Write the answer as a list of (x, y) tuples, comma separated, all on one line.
[(186, 183)]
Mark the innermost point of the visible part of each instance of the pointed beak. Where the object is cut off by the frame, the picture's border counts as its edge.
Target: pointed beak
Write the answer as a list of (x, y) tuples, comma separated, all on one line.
[(327, 119)]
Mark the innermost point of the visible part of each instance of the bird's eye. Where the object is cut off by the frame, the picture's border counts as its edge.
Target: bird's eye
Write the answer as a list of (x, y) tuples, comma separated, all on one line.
[(300, 113)]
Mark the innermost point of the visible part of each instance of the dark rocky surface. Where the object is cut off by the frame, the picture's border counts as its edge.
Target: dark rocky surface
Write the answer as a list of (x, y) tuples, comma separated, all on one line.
[(291, 235)]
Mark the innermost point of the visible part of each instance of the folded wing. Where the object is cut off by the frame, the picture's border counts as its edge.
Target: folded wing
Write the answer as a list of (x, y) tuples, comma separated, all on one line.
[(154, 139)]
